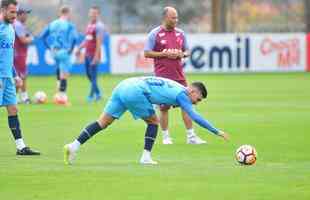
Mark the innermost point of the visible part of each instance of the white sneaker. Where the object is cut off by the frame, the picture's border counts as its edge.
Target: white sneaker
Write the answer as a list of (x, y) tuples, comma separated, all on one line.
[(194, 139), (167, 140), (69, 155), (146, 158), (147, 161)]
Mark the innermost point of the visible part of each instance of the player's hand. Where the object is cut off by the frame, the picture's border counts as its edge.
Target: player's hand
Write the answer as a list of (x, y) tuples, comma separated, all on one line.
[(224, 135), (95, 61), (183, 54), (78, 52), (18, 81), (171, 53)]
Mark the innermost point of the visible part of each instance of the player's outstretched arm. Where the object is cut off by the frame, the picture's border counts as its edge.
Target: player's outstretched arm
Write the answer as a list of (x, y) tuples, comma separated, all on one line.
[(187, 106)]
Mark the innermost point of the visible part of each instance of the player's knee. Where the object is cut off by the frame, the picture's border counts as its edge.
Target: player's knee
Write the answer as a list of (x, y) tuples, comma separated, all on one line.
[(12, 110), (164, 108), (105, 121), (152, 120), (64, 75)]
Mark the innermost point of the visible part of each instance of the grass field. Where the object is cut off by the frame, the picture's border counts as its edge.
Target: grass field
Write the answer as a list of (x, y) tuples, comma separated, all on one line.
[(269, 111)]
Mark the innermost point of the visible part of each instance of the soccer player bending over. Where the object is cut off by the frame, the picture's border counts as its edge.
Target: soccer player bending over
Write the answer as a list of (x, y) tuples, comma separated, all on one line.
[(7, 83), (137, 95)]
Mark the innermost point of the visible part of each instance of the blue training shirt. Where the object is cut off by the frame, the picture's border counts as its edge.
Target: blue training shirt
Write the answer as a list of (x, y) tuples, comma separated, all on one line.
[(7, 38), (162, 91), (60, 34)]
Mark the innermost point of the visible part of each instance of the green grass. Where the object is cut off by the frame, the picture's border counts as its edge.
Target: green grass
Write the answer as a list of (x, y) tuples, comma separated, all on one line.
[(269, 111)]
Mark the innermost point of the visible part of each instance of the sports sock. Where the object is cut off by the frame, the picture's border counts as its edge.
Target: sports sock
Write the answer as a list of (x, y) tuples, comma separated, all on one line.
[(20, 143), (190, 132), (75, 145), (165, 134), (24, 96), (16, 132), (89, 132), (58, 74), (150, 136), (63, 85)]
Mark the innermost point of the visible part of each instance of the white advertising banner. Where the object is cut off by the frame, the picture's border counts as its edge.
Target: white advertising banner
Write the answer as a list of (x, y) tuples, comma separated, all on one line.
[(279, 52), (219, 53), (127, 54)]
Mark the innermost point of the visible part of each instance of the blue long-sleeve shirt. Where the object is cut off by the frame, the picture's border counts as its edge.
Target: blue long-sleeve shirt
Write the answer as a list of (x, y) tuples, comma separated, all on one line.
[(60, 34), (162, 91), (186, 104)]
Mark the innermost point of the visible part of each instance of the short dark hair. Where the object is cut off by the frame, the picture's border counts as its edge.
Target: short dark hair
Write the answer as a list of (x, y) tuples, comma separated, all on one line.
[(65, 10), (6, 3), (202, 88), (95, 8)]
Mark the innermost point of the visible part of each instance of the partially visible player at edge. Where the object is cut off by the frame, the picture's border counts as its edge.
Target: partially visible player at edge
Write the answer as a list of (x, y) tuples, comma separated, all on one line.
[(138, 96), (7, 75), (92, 44), (60, 37), (22, 39), (168, 45)]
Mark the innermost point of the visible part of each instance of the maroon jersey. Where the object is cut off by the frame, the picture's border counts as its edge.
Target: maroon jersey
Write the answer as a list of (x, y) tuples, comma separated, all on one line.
[(159, 39), (93, 30), (20, 49)]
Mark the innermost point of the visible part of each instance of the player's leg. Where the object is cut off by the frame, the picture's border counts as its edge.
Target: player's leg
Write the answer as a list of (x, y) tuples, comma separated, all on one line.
[(61, 97), (21, 70), (88, 132), (113, 110), (8, 96), (57, 77), (94, 72), (64, 65), (141, 108), (24, 94), (192, 138), (64, 75), (164, 124), (149, 139), (90, 96)]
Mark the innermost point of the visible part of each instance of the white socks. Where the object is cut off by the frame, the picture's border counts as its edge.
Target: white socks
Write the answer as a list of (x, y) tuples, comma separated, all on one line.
[(146, 154), (190, 133), (165, 134), (75, 145), (24, 96), (20, 144)]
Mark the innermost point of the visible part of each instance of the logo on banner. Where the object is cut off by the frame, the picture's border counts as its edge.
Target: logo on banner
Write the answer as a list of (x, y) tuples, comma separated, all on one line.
[(232, 55), (134, 50), (287, 51)]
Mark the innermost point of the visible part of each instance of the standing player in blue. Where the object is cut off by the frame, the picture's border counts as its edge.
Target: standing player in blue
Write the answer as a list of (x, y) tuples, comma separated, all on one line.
[(138, 96), (7, 83), (60, 37)]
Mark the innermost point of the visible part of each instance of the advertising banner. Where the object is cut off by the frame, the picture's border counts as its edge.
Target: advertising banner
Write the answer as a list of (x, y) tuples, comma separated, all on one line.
[(219, 53)]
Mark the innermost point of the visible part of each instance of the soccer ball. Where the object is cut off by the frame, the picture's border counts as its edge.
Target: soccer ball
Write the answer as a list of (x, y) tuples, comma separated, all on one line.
[(40, 97), (246, 155), (60, 99)]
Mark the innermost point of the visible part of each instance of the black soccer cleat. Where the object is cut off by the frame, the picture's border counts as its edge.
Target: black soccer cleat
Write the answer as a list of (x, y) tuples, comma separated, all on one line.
[(26, 151)]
